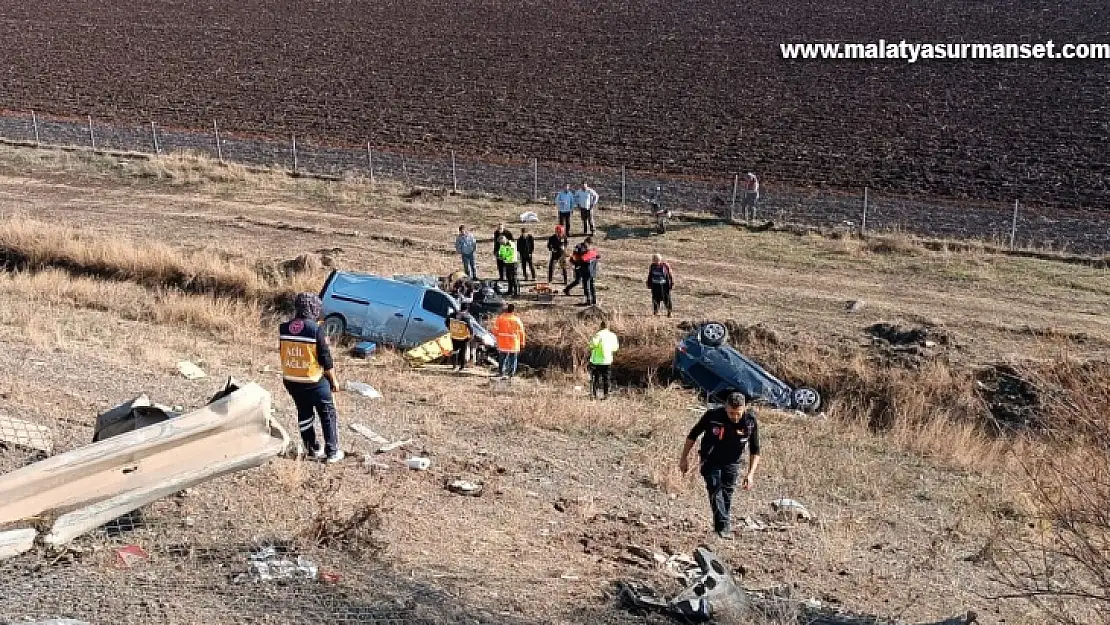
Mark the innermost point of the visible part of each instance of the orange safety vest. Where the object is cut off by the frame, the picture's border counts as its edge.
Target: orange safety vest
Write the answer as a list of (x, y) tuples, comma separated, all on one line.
[(509, 332)]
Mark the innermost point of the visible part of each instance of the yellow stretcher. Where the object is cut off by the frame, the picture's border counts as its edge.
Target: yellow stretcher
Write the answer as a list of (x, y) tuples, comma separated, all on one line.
[(430, 352)]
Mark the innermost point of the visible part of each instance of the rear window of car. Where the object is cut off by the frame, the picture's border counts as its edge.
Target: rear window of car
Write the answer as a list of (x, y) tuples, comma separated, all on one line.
[(438, 303)]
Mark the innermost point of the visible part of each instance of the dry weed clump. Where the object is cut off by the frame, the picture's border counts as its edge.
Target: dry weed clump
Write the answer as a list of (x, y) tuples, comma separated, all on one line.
[(355, 530), (1061, 562), (190, 168)]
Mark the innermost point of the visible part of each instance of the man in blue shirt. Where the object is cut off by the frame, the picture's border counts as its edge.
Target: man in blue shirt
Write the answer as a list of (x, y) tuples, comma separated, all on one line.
[(565, 201)]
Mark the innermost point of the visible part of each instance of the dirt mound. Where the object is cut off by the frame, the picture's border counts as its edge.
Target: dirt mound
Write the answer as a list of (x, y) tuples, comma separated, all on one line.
[(1013, 401)]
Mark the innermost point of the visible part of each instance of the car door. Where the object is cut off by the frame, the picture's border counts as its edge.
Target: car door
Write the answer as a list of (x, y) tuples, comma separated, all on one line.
[(347, 295), (429, 318), (388, 311)]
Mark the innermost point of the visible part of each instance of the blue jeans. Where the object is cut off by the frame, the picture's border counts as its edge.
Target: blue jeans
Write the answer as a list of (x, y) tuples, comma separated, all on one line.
[(720, 482), (313, 400), (507, 362), (470, 268)]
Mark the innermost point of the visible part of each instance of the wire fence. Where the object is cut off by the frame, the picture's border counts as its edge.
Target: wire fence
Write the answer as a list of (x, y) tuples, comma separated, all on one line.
[(1012, 224)]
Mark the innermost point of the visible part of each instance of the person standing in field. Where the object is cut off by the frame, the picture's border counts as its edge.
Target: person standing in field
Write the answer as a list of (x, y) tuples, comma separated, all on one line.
[(509, 331), (308, 373), (564, 201), (559, 247), (460, 324), (603, 346), (466, 245), (586, 199), (525, 247), (751, 194), (725, 433), (504, 232), (509, 258), (660, 280), (590, 259)]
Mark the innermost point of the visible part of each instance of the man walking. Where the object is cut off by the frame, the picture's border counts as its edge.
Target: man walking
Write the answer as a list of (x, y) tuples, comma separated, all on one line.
[(586, 199), (565, 202), (525, 247), (509, 258), (501, 231), (724, 432), (576, 265), (660, 280), (460, 324), (603, 346), (308, 372), (751, 194), (510, 340), (466, 245), (559, 246)]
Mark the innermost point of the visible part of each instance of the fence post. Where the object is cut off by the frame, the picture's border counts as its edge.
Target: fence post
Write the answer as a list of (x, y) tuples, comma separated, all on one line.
[(370, 162), (623, 186), (454, 174), (294, 153), (405, 170), (863, 220), (35, 124), (154, 137), (1013, 225), (535, 179), (735, 188), (92, 137), (219, 148)]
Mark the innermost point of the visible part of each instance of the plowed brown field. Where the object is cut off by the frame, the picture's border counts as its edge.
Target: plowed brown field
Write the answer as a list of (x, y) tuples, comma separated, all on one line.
[(686, 86)]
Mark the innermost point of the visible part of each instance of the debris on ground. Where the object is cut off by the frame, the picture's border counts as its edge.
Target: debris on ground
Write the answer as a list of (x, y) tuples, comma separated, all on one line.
[(328, 577), (854, 306), (16, 542), (384, 449), (464, 487), (26, 434), (130, 555), (373, 464), (368, 433), (138, 467), (266, 565), (418, 464), (789, 509), (130, 416), (365, 349), (759, 525), (363, 389), (529, 217), (711, 594), (190, 370)]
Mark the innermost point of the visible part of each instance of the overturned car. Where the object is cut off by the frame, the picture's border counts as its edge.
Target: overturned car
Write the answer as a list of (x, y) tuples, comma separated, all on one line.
[(706, 360)]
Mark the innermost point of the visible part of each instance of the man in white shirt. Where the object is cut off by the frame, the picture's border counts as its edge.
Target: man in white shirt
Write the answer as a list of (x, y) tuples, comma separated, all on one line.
[(565, 201), (586, 199), (751, 194)]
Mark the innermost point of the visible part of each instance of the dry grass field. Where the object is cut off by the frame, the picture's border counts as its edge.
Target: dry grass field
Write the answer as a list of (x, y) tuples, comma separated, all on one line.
[(117, 269)]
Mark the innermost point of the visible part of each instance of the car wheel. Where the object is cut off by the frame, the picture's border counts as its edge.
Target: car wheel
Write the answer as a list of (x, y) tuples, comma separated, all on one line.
[(713, 334), (335, 327), (806, 399)]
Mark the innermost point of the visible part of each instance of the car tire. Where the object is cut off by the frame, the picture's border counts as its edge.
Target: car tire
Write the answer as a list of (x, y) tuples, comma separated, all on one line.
[(713, 334), (335, 326), (806, 399)]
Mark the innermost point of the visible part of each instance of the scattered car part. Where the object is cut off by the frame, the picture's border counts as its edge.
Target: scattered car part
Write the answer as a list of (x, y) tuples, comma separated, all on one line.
[(464, 487), (26, 434), (128, 417)]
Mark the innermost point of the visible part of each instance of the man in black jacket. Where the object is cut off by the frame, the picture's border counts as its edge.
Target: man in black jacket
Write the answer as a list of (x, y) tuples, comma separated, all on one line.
[(559, 246), (725, 432), (525, 246)]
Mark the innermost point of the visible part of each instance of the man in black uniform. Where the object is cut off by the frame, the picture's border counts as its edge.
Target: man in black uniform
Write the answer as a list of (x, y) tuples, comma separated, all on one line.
[(308, 371), (526, 246), (724, 432)]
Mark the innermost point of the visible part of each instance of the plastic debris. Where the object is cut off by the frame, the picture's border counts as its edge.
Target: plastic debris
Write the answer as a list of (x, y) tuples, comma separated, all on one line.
[(394, 445), (790, 509), (363, 389), (529, 217), (418, 464), (190, 370), (26, 434), (364, 349), (267, 566), (370, 434), (130, 555), (464, 487)]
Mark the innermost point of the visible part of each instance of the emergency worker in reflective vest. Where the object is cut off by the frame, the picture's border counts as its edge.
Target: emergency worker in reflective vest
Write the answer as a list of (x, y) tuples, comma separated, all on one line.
[(308, 371), (460, 324)]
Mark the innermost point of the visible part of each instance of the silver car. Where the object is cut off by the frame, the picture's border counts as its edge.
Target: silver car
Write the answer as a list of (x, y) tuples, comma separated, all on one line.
[(387, 311)]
